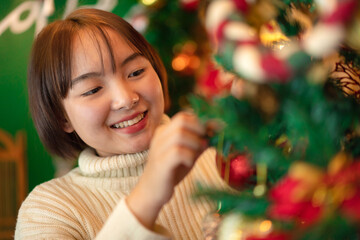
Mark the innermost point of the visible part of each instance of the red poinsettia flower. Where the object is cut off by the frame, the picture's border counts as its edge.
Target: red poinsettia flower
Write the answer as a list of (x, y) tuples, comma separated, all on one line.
[(306, 191), (348, 175), (351, 207), (348, 182), (286, 207), (271, 236)]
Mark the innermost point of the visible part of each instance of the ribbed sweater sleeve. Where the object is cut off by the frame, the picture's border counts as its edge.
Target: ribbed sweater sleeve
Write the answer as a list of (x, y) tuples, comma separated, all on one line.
[(122, 224)]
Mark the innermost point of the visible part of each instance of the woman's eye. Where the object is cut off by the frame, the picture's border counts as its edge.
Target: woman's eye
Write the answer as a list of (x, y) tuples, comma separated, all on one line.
[(91, 92), (136, 73)]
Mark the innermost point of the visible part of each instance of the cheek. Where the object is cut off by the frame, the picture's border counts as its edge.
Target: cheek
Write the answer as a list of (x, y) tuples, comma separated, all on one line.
[(161, 100), (156, 94), (82, 116)]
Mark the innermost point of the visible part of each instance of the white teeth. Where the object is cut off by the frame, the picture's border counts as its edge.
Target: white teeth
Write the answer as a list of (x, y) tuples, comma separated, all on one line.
[(130, 122)]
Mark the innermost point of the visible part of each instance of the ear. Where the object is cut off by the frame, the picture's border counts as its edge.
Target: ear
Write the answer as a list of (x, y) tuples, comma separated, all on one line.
[(68, 127)]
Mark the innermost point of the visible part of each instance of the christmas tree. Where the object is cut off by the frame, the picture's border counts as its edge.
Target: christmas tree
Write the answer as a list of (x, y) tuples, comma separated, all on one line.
[(288, 137), (182, 51)]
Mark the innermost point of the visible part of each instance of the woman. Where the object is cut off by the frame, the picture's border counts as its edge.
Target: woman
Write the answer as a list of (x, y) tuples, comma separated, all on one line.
[(97, 87)]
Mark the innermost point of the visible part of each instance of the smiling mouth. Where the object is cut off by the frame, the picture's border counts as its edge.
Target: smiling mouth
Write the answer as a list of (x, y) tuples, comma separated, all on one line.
[(130, 122)]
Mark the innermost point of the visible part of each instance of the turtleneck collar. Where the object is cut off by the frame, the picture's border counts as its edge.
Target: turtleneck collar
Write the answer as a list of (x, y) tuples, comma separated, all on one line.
[(124, 165), (115, 173)]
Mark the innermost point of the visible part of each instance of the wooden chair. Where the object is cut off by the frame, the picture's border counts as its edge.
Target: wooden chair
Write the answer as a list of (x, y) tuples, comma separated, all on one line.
[(13, 180)]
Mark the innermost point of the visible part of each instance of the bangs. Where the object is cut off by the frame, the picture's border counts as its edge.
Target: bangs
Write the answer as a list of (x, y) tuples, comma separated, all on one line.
[(100, 37)]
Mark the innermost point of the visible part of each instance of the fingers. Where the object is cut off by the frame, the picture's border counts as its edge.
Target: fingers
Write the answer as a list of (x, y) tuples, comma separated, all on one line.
[(184, 138), (190, 122), (184, 156), (184, 130)]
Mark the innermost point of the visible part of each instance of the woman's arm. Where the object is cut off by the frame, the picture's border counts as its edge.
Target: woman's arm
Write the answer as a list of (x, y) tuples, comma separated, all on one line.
[(173, 151)]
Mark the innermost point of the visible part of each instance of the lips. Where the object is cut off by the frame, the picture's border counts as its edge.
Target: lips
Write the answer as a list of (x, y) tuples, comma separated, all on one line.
[(129, 122)]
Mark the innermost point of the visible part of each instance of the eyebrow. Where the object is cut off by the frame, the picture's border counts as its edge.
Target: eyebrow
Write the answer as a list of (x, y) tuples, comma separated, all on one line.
[(130, 58), (84, 76)]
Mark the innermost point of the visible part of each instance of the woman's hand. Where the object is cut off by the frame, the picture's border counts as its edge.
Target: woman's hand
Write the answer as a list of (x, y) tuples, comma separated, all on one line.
[(173, 152)]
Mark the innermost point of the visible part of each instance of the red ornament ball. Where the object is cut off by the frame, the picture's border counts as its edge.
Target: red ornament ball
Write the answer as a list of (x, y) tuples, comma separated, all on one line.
[(236, 170), (189, 5)]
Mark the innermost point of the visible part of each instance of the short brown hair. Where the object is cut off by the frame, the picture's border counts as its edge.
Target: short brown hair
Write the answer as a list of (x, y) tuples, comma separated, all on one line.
[(49, 75)]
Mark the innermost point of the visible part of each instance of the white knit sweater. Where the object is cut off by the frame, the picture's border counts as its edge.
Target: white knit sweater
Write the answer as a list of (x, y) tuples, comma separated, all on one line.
[(88, 202)]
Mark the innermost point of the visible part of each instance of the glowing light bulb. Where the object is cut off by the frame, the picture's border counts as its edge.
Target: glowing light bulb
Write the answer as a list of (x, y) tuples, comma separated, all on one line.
[(265, 226), (180, 62), (148, 2)]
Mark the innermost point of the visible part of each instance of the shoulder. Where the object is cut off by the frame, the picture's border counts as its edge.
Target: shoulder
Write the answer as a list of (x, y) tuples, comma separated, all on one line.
[(50, 196), (52, 189), (49, 209)]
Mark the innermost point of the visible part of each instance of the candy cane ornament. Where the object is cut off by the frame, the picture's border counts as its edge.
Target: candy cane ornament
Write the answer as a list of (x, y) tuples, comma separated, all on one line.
[(239, 48)]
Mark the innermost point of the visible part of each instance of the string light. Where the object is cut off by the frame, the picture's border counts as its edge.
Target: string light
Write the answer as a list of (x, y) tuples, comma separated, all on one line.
[(180, 62), (148, 2), (186, 60), (265, 226)]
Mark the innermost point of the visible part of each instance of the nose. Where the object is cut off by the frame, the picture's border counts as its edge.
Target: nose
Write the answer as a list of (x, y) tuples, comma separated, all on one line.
[(123, 97)]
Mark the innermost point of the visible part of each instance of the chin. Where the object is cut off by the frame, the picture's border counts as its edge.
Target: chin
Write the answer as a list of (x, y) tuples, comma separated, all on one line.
[(138, 147), (141, 148)]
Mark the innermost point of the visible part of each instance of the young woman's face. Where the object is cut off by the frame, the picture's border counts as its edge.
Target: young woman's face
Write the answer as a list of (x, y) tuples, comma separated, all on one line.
[(112, 112)]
